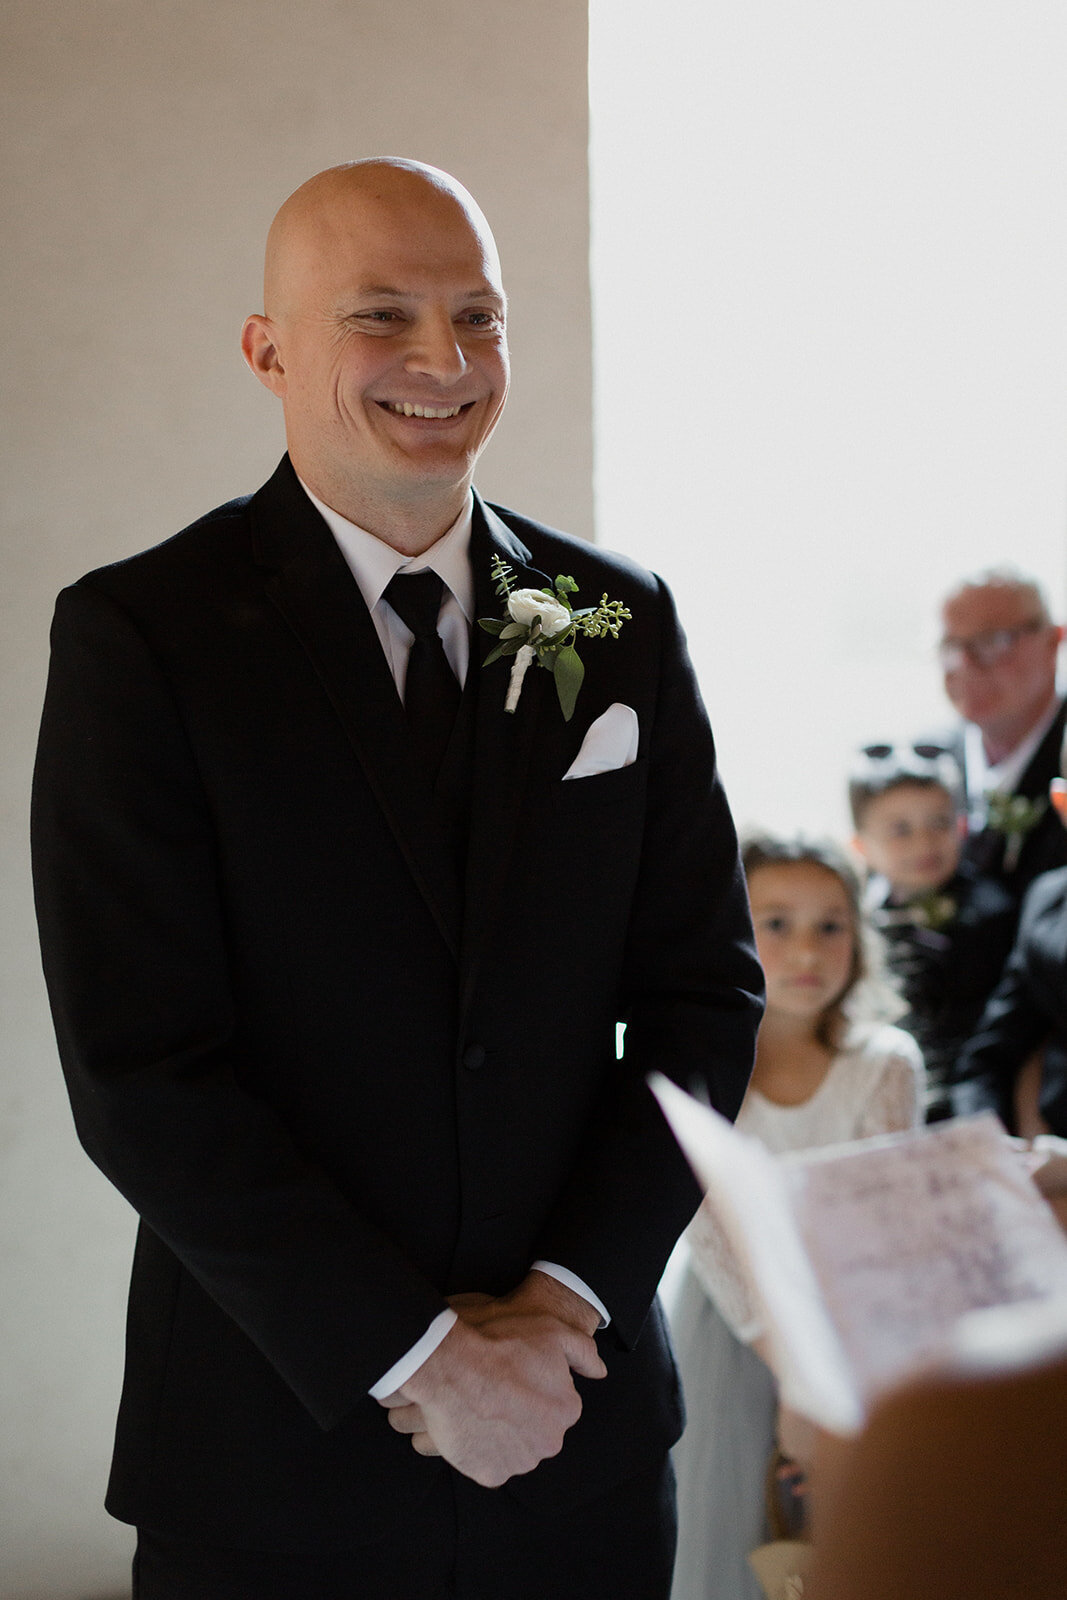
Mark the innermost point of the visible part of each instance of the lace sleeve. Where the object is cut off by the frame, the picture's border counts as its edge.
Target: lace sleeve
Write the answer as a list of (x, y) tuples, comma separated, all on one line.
[(895, 1101), (716, 1268)]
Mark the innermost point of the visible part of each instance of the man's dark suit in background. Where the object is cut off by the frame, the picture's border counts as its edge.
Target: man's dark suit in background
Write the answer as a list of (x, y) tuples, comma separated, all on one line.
[(1026, 1012), (1045, 845)]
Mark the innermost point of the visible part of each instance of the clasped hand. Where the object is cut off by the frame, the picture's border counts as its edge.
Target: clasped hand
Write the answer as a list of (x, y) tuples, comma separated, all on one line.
[(497, 1395)]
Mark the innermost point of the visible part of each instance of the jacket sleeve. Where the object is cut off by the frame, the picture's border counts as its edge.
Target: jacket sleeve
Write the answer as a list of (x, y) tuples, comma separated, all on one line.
[(133, 937), (692, 999), (1010, 1028)]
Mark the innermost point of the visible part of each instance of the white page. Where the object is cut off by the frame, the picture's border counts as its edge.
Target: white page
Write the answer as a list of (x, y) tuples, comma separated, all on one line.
[(909, 1232), (749, 1192), (863, 1257)]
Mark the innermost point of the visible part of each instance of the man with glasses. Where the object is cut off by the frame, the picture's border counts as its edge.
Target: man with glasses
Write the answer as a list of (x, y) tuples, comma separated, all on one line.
[(998, 653)]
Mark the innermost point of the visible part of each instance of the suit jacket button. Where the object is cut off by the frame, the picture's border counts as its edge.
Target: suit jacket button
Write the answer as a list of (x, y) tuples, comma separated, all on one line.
[(474, 1057)]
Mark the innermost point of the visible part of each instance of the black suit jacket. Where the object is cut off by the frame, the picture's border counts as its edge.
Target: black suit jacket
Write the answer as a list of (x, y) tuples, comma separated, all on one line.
[(339, 1078), (1045, 847), (1028, 1009), (947, 973)]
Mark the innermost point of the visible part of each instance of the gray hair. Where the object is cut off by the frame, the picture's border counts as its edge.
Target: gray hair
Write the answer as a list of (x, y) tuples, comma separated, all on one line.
[(1008, 578)]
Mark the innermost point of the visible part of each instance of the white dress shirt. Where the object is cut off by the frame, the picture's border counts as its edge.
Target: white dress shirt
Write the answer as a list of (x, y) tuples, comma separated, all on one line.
[(373, 564), (1002, 778)]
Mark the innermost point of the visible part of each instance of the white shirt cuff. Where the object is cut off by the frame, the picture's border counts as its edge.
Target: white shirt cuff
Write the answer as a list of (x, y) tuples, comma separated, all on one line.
[(421, 1351), (571, 1280)]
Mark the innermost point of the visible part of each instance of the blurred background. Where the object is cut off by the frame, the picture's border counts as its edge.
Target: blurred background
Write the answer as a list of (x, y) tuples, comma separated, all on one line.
[(829, 270)]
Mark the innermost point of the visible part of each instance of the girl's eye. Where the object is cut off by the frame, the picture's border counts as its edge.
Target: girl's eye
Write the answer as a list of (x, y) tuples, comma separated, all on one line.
[(833, 927), (774, 924)]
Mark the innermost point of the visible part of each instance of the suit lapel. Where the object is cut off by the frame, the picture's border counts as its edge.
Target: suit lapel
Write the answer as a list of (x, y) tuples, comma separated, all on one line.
[(306, 577), (1044, 763), (503, 742)]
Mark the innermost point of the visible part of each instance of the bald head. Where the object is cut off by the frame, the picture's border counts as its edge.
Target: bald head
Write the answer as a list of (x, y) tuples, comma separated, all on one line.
[(383, 335), (318, 216)]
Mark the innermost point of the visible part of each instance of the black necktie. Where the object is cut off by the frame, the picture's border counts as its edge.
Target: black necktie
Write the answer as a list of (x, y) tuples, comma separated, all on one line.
[(431, 692)]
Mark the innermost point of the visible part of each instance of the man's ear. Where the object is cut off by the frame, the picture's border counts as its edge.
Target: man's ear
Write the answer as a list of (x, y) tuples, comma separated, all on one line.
[(260, 350), (859, 847)]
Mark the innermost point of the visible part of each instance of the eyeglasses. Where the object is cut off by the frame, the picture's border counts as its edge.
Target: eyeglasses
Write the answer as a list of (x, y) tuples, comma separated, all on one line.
[(985, 649), (925, 752)]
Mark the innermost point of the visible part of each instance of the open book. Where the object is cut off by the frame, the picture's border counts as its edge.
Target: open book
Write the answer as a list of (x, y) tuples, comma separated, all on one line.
[(861, 1258)]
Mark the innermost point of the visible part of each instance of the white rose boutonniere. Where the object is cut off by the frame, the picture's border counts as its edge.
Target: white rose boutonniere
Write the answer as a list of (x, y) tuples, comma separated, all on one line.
[(541, 625), (527, 606)]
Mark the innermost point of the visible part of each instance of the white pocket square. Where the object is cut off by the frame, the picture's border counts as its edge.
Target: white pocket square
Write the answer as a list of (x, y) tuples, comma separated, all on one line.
[(611, 742)]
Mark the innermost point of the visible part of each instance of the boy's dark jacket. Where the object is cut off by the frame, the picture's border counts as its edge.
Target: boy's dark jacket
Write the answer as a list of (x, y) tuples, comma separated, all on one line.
[(948, 951)]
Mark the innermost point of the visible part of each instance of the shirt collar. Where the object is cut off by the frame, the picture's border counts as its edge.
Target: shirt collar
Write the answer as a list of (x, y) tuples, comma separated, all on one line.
[(1003, 777), (373, 563)]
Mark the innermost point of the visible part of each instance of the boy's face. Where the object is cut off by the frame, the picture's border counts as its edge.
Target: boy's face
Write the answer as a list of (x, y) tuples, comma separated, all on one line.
[(912, 836)]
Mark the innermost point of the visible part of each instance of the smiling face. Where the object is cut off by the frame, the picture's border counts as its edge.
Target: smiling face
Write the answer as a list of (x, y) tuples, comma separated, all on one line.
[(911, 835), (385, 338), (804, 934)]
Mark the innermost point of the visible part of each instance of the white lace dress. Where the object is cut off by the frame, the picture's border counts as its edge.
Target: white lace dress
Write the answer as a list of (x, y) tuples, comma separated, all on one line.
[(874, 1085)]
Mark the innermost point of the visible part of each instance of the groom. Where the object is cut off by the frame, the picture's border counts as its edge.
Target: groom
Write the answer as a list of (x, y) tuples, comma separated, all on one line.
[(336, 948)]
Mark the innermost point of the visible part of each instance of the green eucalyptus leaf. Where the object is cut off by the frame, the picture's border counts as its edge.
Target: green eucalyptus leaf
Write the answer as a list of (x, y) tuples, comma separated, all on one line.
[(494, 655), (569, 673), (565, 585), (511, 630), (491, 624)]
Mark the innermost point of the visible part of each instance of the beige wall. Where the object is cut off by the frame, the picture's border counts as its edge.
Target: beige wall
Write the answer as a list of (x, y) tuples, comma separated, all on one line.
[(149, 145)]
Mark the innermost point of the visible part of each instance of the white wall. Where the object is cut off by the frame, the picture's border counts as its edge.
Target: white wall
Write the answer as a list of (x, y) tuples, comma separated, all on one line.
[(148, 146), (830, 259)]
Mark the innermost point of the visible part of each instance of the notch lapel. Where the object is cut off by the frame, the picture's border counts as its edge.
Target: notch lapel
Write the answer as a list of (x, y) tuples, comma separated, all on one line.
[(503, 742), (307, 579)]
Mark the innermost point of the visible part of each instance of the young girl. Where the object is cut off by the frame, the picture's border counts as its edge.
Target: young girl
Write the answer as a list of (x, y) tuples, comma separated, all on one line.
[(826, 1071)]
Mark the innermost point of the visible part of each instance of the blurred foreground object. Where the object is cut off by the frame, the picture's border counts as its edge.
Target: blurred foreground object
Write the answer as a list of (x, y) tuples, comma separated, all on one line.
[(955, 1489)]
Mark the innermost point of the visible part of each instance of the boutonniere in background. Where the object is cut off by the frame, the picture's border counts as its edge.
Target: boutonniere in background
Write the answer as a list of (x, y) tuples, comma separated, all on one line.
[(1014, 816), (541, 625), (933, 910)]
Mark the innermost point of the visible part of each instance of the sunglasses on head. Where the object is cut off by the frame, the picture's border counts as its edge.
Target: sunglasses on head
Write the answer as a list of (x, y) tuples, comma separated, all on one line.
[(926, 752)]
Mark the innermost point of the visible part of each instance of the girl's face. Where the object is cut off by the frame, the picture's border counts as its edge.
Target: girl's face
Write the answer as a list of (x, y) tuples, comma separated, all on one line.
[(804, 934)]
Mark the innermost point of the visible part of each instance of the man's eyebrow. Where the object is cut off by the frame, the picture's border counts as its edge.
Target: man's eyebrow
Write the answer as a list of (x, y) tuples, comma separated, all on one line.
[(483, 291)]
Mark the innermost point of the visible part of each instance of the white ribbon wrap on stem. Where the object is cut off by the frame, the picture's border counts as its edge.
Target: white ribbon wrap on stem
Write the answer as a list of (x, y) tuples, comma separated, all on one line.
[(524, 657)]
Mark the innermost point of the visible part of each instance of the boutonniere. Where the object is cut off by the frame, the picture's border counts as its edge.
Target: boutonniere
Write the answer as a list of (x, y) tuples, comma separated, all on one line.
[(1014, 816), (934, 911), (541, 625)]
